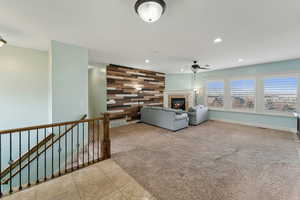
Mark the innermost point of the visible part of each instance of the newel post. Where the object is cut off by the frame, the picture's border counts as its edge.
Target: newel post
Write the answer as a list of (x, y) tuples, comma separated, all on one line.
[(105, 143)]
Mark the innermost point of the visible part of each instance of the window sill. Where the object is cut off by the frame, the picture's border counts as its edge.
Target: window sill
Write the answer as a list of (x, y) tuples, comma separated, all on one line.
[(254, 113)]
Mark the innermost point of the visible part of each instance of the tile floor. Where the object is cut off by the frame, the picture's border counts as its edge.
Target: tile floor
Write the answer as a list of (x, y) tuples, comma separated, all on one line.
[(102, 181)]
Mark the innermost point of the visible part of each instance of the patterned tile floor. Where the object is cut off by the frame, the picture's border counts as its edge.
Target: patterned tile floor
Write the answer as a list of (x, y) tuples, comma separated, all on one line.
[(102, 181)]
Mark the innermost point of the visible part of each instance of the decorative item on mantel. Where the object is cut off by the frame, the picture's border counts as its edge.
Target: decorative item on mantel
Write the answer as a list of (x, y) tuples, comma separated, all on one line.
[(198, 92)]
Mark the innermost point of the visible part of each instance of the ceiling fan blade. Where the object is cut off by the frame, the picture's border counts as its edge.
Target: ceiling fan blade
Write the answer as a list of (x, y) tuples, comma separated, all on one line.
[(204, 68)]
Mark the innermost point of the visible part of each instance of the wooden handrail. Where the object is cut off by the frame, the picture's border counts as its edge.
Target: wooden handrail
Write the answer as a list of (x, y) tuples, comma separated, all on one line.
[(46, 143), (48, 125), (26, 155), (82, 119)]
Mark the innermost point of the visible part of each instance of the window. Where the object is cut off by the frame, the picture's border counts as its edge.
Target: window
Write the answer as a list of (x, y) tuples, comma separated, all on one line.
[(215, 94), (243, 94), (280, 94)]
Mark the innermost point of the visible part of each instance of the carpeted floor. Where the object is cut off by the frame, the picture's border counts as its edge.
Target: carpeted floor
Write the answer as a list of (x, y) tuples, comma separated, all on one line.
[(213, 161)]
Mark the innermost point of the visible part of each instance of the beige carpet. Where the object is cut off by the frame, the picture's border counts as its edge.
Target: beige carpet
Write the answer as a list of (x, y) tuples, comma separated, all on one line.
[(213, 161)]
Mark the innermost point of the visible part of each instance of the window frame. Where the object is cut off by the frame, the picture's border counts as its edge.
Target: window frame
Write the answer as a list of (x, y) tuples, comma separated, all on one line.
[(286, 75), (206, 94), (259, 93), (255, 94)]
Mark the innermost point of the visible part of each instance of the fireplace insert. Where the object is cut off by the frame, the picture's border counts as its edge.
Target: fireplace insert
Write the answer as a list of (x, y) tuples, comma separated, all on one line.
[(178, 103)]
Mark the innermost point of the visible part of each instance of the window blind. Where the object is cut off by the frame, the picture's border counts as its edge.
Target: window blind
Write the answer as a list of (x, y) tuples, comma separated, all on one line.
[(215, 94), (242, 94), (280, 94)]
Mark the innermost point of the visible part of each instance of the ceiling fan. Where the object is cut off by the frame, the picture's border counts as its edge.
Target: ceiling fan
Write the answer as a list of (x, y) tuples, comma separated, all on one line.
[(196, 67)]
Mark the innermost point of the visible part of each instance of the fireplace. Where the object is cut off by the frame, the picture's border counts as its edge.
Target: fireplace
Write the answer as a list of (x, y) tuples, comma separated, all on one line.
[(178, 103), (178, 100)]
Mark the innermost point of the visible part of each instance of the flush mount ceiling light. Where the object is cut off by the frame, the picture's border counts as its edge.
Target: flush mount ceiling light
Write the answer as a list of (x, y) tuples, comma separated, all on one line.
[(218, 40), (2, 42), (150, 10)]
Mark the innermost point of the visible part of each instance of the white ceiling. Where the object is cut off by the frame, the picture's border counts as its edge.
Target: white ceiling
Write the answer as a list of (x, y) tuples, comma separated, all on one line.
[(256, 30)]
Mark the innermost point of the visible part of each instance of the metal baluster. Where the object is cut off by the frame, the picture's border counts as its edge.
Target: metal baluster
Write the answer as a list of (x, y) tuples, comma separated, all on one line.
[(20, 161), (52, 163), (66, 149), (45, 160), (37, 159), (72, 149), (93, 141), (98, 131), (28, 161), (78, 146), (1, 194), (59, 150), (10, 162), (83, 144), (88, 143)]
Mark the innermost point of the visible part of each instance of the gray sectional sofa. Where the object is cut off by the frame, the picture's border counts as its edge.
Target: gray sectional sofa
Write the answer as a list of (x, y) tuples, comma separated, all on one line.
[(164, 117), (198, 114)]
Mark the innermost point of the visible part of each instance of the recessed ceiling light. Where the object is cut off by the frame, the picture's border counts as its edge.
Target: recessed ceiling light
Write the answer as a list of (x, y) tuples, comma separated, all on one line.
[(147, 61), (218, 40), (240, 60)]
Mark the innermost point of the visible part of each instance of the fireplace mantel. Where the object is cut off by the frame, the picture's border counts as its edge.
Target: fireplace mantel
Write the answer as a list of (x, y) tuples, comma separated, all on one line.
[(187, 94)]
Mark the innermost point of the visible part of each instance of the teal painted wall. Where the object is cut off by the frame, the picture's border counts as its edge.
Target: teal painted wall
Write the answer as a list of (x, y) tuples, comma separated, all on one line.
[(268, 121), (37, 88), (69, 81), (259, 69), (23, 97), (179, 81), (23, 87), (97, 89), (259, 120)]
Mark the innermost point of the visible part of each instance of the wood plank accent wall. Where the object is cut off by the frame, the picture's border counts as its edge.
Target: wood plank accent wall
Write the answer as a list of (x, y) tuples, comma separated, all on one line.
[(130, 88)]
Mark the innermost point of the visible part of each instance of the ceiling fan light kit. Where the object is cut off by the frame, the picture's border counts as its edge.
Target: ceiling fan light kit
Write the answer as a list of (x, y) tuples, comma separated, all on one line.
[(150, 10)]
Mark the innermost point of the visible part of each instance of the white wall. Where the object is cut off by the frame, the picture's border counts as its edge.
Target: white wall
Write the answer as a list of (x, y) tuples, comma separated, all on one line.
[(23, 87), (97, 89), (69, 82)]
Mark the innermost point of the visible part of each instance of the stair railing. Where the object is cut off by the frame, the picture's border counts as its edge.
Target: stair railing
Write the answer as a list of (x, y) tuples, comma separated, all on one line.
[(31, 155)]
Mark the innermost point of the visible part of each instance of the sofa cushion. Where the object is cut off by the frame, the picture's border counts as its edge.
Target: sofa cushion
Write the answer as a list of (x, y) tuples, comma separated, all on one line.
[(174, 110), (181, 116), (153, 107)]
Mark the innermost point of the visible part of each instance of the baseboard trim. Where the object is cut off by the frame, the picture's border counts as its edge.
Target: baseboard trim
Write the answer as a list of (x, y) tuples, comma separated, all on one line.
[(256, 125)]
